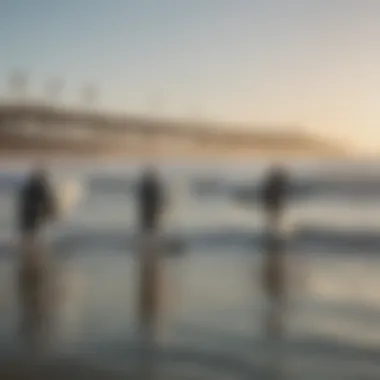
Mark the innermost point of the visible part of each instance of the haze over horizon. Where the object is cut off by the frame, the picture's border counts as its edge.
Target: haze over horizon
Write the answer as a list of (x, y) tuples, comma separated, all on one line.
[(311, 64)]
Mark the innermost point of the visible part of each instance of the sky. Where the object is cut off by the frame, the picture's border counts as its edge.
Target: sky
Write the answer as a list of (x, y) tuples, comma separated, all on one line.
[(306, 64)]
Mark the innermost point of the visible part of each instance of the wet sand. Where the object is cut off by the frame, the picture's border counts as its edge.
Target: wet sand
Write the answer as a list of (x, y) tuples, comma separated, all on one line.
[(28, 369)]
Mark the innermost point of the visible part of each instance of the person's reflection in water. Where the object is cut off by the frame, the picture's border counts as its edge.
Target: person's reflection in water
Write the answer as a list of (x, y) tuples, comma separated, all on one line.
[(36, 208), (274, 285)]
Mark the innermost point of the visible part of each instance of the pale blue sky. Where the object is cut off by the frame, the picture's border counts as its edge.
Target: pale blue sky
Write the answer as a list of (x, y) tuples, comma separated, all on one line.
[(314, 63)]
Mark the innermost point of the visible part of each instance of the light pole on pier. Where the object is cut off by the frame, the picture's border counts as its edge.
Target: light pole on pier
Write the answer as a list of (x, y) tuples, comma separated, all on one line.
[(18, 83), (155, 105), (196, 114), (90, 95), (53, 90)]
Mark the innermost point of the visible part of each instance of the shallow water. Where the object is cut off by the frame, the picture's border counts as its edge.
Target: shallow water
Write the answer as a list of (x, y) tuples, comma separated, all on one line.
[(213, 298)]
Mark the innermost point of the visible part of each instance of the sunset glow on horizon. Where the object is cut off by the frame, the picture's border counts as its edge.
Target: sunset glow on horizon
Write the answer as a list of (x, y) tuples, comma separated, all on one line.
[(312, 65)]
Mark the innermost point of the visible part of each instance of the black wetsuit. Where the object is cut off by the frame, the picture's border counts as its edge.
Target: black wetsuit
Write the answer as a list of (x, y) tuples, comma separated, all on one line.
[(274, 192), (150, 196), (36, 204)]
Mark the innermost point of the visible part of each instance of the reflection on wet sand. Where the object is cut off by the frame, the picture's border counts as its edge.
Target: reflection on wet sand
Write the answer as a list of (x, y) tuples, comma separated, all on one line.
[(51, 298), (91, 297), (37, 293), (73, 290)]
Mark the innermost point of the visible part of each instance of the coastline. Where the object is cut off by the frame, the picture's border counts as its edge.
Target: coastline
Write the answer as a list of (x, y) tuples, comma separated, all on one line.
[(161, 153)]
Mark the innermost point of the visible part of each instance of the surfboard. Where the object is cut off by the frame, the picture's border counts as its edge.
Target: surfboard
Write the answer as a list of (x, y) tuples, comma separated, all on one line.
[(68, 194)]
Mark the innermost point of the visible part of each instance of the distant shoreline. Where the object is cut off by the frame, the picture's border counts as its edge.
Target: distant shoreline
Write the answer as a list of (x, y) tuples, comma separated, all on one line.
[(35, 128), (57, 157), (20, 146)]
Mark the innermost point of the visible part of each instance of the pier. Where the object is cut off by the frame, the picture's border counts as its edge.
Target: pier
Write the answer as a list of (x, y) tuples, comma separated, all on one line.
[(26, 127)]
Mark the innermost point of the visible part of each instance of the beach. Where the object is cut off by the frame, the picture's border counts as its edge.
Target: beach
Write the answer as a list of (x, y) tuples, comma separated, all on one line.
[(214, 320)]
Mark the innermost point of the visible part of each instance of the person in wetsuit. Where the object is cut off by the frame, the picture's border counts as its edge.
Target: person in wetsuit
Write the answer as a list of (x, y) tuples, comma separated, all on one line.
[(36, 206), (274, 194), (36, 203), (150, 200), (273, 200), (149, 209)]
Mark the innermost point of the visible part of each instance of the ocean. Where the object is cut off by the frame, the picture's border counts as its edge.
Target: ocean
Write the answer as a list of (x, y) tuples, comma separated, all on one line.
[(214, 305)]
